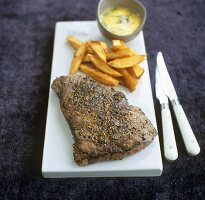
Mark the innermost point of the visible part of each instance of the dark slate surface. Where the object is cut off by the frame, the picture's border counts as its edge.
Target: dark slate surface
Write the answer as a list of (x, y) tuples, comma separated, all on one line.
[(177, 28)]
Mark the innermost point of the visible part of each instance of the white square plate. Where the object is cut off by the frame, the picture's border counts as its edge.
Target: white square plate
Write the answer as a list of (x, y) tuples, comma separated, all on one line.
[(58, 153)]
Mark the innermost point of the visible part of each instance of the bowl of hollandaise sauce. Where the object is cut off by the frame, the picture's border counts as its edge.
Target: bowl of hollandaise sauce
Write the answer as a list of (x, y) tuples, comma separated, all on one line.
[(121, 19)]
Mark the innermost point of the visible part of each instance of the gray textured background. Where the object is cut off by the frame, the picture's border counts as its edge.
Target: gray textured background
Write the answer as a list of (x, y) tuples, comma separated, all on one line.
[(177, 28)]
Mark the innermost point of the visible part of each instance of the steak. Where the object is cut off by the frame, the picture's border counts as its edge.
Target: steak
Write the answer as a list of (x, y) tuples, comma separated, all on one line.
[(104, 126)]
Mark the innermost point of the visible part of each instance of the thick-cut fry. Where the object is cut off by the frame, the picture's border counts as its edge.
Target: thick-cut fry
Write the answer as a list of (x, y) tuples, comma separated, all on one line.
[(81, 50), (86, 58), (104, 45), (98, 49), (136, 71), (112, 55), (127, 62), (74, 42), (118, 45), (99, 76), (129, 81), (104, 67), (78, 57), (121, 81), (89, 50)]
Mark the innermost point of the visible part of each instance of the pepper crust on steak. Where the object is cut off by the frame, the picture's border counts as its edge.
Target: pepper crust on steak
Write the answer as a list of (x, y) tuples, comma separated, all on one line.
[(104, 126)]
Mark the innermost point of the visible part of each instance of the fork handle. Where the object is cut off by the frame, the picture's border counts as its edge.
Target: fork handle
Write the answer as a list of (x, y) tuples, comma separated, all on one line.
[(188, 136), (170, 148)]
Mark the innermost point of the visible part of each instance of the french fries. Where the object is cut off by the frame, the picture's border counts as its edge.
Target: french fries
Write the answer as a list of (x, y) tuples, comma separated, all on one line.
[(86, 58), (98, 49), (136, 71), (110, 66), (127, 62), (118, 45), (104, 67), (89, 50), (99, 76), (112, 55), (74, 42), (78, 57), (104, 45), (128, 79), (121, 81)]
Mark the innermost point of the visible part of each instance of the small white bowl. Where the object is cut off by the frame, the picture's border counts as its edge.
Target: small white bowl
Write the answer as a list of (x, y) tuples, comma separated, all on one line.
[(132, 4)]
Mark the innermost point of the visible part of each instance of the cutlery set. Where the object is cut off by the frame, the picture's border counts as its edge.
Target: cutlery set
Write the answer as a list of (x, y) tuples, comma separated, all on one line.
[(165, 91)]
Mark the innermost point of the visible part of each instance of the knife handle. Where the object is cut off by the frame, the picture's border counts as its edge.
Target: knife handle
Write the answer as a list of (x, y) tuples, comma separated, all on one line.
[(188, 136), (170, 147)]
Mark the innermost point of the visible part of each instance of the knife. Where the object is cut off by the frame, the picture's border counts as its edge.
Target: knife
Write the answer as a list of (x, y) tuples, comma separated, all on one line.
[(170, 147), (188, 136)]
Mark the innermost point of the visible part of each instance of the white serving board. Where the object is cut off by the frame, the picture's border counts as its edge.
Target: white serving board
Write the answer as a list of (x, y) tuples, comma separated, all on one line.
[(58, 153)]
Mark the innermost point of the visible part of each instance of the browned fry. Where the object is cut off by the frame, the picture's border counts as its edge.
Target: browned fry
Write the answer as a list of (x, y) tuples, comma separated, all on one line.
[(121, 81), (112, 55), (128, 79), (77, 59), (99, 76), (118, 45), (104, 67), (86, 58), (127, 62), (98, 49), (89, 50), (136, 71), (104, 45), (74, 42)]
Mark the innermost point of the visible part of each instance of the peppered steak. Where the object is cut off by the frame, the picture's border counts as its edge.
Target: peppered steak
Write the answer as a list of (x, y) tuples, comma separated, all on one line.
[(103, 125)]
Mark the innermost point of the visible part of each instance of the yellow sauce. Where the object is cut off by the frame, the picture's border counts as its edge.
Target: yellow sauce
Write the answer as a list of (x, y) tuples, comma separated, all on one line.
[(120, 20)]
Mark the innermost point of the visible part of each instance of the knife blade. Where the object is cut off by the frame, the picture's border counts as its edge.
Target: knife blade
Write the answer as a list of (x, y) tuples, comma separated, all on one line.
[(170, 147), (188, 136), (167, 85), (159, 90)]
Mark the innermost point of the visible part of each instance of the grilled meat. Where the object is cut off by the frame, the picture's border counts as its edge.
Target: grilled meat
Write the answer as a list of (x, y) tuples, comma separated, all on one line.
[(103, 125)]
